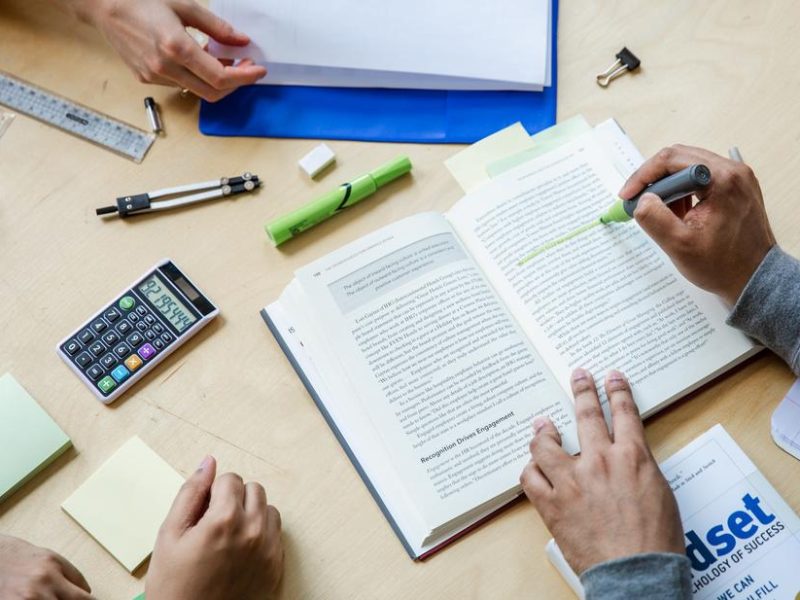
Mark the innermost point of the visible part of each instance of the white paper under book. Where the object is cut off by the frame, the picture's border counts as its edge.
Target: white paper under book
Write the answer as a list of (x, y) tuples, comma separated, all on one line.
[(447, 44), (430, 349)]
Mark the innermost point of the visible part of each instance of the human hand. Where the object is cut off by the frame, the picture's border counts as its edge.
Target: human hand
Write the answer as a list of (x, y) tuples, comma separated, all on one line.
[(220, 540), (27, 571), (611, 501), (151, 37), (718, 243)]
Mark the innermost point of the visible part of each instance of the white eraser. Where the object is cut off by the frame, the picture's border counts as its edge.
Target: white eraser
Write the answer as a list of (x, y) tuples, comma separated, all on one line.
[(316, 160)]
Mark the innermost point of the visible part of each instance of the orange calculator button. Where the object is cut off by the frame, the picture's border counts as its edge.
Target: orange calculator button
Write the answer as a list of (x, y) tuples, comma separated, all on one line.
[(133, 362)]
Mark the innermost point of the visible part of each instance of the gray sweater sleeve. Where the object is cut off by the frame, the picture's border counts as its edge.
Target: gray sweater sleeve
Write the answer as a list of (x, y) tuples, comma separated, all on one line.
[(769, 306), (655, 576)]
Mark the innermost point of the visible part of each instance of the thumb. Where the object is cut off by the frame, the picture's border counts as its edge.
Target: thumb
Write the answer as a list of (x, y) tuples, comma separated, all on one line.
[(192, 499), (659, 222), (199, 17)]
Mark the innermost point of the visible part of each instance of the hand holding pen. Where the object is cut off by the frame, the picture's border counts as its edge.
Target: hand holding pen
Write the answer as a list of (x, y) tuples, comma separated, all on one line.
[(718, 243)]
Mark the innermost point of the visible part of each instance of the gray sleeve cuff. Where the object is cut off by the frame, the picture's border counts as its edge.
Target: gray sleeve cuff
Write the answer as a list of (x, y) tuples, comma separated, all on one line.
[(769, 306), (655, 576)]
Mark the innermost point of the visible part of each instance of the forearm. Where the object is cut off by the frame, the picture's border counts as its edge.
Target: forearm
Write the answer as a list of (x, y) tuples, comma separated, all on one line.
[(655, 576), (768, 308)]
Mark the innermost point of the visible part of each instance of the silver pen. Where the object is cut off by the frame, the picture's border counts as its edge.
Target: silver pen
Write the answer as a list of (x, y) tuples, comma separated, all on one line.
[(152, 114)]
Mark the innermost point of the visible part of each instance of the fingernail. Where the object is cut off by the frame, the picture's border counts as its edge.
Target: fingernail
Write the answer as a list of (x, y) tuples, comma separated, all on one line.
[(580, 375), (539, 423), (616, 377), (205, 463)]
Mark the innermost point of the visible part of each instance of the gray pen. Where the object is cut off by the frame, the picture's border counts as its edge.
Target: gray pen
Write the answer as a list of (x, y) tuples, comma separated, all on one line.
[(734, 154), (684, 183)]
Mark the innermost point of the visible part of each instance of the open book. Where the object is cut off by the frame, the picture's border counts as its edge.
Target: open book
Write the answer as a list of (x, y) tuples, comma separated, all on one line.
[(429, 349), (741, 537)]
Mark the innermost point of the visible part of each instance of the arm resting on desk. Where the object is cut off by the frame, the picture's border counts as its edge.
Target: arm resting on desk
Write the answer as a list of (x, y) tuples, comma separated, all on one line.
[(769, 307), (656, 576)]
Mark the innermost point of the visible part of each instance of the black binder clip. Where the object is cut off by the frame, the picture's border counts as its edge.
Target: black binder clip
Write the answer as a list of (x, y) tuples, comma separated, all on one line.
[(626, 61)]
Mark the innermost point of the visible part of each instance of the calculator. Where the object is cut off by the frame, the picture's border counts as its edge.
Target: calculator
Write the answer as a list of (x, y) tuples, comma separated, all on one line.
[(138, 329)]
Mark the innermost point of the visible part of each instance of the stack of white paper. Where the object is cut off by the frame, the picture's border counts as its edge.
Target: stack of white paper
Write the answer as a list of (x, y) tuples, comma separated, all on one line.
[(449, 44)]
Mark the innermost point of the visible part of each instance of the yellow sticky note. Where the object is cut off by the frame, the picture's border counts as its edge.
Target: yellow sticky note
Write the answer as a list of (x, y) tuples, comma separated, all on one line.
[(468, 167), (29, 439), (123, 504)]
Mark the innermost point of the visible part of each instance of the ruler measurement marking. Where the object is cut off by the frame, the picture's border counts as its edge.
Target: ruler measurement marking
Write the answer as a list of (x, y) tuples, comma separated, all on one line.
[(74, 118)]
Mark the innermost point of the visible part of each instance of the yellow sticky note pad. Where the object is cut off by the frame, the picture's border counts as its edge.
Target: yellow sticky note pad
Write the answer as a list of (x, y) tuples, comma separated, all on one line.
[(123, 504), (29, 439)]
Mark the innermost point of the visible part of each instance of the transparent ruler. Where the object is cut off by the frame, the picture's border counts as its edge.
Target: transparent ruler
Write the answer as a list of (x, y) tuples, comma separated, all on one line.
[(81, 121)]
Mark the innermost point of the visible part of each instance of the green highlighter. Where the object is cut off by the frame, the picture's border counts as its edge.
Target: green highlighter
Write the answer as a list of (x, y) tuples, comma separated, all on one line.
[(288, 226), (679, 185), (684, 183)]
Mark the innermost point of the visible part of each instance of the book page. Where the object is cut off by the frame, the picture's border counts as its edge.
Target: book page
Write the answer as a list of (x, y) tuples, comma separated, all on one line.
[(609, 297), (436, 361)]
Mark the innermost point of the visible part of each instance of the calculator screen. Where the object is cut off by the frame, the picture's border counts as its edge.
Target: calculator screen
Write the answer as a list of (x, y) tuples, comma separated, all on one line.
[(167, 303)]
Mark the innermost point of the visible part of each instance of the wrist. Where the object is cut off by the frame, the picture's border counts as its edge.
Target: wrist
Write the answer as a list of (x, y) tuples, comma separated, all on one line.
[(86, 11), (731, 294)]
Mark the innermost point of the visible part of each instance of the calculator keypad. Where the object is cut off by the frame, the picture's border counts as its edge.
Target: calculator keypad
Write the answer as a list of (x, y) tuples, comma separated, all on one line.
[(111, 348), (94, 372), (110, 338), (83, 360), (99, 326)]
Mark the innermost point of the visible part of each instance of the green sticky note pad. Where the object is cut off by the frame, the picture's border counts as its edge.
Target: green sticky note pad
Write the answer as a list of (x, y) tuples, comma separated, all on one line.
[(29, 439), (123, 504)]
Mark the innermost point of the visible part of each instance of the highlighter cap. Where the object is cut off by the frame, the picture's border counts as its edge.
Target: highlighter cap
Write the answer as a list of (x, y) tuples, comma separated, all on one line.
[(391, 171)]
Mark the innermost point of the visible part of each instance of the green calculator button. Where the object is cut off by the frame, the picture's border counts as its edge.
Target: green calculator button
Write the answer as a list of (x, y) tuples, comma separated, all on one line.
[(106, 384), (127, 303)]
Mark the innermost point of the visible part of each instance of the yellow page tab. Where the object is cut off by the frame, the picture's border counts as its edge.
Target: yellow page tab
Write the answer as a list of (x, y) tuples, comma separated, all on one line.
[(468, 167), (543, 142), (123, 504)]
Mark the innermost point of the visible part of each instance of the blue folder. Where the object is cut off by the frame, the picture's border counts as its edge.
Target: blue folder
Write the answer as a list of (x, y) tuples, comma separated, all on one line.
[(380, 115)]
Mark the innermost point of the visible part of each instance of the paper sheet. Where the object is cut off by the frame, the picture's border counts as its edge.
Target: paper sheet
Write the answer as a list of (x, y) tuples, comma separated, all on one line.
[(468, 167), (123, 504), (503, 41), (29, 439), (284, 74), (786, 422), (5, 121)]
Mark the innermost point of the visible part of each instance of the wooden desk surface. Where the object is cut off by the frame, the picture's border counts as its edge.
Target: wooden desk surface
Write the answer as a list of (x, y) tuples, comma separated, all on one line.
[(714, 74)]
